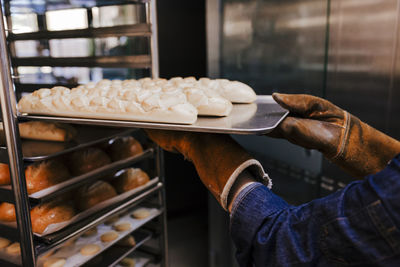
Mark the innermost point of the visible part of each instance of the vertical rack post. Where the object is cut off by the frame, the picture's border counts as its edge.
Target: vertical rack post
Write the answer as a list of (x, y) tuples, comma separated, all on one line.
[(10, 124), (151, 18)]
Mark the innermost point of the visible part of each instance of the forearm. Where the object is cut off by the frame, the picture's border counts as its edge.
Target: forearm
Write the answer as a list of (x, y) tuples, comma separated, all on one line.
[(357, 225)]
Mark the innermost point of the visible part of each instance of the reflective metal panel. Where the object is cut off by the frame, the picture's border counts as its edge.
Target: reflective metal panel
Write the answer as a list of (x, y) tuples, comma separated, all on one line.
[(275, 45)]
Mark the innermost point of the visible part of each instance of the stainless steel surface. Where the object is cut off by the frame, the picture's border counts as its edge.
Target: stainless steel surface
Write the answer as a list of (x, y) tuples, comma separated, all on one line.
[(364, 67), (141, 29), (257, 118), (138, 61), (163, 240), (151, 17), (34, 150), (9, 116)]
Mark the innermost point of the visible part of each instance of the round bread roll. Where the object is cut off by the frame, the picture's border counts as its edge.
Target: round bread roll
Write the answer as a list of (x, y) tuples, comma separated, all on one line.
[(109, 236), (45, 174), (88, 160), (127, 262), (55, 262), (50, 213), (4, 174), (124, 147), (90, 249), (90, 195), (112, 220), (4, 242), (141, 213), (7, 212), (90, 232), (122, 226), (14, 249), (130, 179), (128, 241)]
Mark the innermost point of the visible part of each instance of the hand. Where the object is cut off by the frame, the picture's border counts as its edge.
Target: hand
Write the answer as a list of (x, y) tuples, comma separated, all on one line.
[(217, 157), (315, 123)]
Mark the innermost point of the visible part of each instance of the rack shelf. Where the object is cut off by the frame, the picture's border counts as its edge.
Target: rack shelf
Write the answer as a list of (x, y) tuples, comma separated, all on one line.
[(138, 61), (141, 29)]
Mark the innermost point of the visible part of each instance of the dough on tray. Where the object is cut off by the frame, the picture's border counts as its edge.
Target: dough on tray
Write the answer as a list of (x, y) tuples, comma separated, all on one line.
[(178, 100)]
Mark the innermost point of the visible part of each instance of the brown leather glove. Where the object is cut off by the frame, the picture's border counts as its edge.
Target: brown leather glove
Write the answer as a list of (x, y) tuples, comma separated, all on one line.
[(218, 159), (316, 123)]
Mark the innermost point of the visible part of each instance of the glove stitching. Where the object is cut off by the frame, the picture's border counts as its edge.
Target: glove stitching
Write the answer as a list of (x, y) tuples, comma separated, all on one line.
[(342, 145)]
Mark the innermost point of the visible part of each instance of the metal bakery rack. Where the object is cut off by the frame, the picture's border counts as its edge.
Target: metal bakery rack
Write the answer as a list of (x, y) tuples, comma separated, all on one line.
[(151, 229)]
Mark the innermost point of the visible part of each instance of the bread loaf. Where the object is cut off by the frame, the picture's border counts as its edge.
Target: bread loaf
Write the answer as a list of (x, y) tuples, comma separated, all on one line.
[(88, 160), (49, 213), (124, 147), (91, 195), (48, 131), (7, 212), (130, 179), (4, 174), (45, 174)]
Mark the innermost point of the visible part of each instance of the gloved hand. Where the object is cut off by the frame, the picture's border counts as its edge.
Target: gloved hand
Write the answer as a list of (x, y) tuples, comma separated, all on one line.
[(315, 123), (218, 159)]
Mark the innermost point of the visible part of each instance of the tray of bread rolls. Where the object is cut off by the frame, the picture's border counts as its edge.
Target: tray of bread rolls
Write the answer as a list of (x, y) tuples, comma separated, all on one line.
[(120, 233), (43, 140), (186, 104), (55, 215), (59, 174)]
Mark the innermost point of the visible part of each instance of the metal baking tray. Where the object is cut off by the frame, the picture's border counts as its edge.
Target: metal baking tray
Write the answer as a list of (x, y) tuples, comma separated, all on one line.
[(76, 181), (34, 150), (260, 117)]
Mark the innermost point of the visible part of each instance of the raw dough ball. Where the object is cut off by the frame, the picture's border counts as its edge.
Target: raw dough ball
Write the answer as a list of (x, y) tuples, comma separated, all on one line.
[(90, 249)]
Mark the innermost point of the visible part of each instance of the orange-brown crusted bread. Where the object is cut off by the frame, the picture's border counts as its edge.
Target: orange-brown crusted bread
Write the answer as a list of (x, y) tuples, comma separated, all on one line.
[(7, 212), (50, 213), (124, 147), (87, 160), (130, 179), (90, 195), (4, 174), (50, 131), (44, 174)]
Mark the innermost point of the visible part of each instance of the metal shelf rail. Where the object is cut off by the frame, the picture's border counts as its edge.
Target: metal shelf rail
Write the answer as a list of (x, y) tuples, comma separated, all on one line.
[(12, 154)]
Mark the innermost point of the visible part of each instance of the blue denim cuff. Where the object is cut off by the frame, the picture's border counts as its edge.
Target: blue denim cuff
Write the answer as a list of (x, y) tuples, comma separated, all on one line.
[(251, 207)]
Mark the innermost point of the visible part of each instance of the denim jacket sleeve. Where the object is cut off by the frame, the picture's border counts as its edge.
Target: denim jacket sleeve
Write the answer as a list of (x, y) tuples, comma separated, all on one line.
[(358, 225)]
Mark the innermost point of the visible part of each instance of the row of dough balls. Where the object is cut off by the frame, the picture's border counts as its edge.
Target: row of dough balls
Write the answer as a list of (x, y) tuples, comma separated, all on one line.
[(180, 99)]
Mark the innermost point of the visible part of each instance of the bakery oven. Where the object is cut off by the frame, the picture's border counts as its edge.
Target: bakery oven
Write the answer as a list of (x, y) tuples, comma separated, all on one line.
[(78, 193)]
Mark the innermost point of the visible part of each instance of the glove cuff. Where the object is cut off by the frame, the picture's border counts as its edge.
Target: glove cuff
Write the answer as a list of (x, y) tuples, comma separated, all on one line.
[(255, 168)]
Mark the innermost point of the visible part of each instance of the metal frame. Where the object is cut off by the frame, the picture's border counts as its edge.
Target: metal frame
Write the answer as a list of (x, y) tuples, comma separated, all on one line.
[(15, 158)]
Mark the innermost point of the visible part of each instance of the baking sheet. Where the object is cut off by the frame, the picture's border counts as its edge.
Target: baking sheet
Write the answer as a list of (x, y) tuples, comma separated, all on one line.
[(260, 117), (71, 252), (34, 150), (52, 228)]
